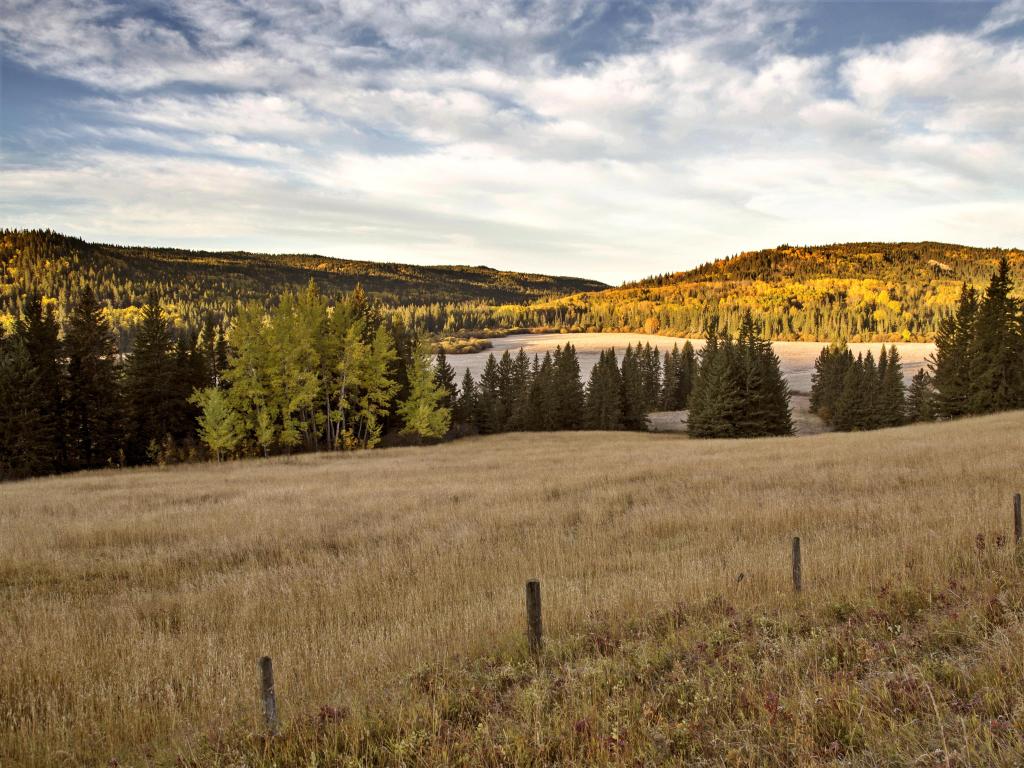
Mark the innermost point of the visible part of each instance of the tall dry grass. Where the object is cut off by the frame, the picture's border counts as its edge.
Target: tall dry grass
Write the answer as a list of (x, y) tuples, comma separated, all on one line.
[(136, 603)]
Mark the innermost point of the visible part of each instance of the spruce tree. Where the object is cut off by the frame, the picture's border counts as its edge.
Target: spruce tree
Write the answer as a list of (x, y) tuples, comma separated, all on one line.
[(920, 398), (94, 405), (38, 332), (466, 404), (444, 377), (996, 350), (569, 390), (151, 392), (951, 364), (488, 415), (634, 396), (603, 405), (519, 411), (26, 439), (716, 400), (892, 395)]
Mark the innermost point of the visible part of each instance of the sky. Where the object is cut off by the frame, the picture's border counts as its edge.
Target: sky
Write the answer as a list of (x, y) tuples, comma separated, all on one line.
[(612, 140)]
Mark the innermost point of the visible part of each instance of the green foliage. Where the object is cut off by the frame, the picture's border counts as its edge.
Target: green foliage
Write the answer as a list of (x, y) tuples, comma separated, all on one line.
[(921, 398), (219, 425), (26, 439), (738, 390), (978, 365), (423, 411)]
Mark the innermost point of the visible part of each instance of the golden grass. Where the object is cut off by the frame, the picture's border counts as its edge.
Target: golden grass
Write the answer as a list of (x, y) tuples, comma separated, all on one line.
[(136, 603)]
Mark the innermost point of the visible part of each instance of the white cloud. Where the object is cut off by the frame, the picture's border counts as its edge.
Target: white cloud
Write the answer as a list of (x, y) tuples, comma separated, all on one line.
[(453, 131)]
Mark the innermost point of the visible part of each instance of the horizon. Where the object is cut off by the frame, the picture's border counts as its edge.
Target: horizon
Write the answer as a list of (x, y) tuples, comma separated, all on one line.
[(608, 140)]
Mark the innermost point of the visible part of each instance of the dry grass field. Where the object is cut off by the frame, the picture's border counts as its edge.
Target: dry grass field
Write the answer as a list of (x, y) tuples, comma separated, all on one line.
[(388, 587)]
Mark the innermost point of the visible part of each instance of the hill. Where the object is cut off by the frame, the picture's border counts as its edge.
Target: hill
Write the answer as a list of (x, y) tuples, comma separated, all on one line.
[(194, 283), (138, 602), (856, 291)]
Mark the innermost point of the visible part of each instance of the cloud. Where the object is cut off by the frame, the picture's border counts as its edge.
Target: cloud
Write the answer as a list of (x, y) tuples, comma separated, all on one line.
[(564, 136)]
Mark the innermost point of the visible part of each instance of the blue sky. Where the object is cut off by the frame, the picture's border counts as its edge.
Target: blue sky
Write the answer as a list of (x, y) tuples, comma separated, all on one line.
[(607, 139)]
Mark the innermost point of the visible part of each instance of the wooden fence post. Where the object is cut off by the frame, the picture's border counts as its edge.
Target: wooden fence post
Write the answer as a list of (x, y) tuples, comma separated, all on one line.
[(797, 574), (269, 697), (1018, 525), (534, 627)]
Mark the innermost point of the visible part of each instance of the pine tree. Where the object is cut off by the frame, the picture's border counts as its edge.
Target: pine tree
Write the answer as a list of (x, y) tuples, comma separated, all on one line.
[(634, 397), (520, 406), (603, 404), (996, 350), (668, 399), (466, 404), (444, 376), (151, 398), (715, 402), (423, 412), (94, 405), (920, 398), (39, 334), (26, 441), (830, 369), (488, 415), (892, 392), (569, 390), (951, 364)]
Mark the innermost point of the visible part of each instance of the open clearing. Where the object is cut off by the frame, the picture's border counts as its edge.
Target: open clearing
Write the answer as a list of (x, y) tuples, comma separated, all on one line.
[(136, 603)]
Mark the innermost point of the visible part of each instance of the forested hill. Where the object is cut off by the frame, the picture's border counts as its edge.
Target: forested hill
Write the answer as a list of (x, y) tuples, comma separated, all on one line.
[(194, 283), (856, 291), (900, 262)]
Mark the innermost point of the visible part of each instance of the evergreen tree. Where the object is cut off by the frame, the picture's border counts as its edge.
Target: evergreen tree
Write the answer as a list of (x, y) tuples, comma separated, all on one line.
[(444, 377), (892, 393), (488, 414), (920, 398), (151, 393), (26, 440), (38, 332), (951, 364), (519, 411), (568, 405), (715, 402), (996, 349), (634, 396), (422, 412), (669, 396), (466, 404), (828, 378), (94, 403), (604, 394)]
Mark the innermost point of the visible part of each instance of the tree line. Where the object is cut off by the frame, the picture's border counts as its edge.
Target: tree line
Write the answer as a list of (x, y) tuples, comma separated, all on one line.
[(305, 374), (977, 368), (515, 393)]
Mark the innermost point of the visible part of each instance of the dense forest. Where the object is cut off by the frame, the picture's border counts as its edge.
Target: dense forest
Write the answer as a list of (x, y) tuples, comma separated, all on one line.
[(195, 285), (856, 291), (978, 368)]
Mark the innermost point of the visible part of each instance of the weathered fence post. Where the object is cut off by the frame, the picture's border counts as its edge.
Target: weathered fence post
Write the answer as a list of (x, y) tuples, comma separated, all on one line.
[(1018, 524), (267, 692), (797, 574), (534, 627)]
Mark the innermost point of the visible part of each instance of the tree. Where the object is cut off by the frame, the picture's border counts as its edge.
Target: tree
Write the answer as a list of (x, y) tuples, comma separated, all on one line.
[(38, 332), (715, 403), (892, 392), (996, 350), (444, 376), (26, 443), (94, 405), (423, 412), (151, 395), (830, 369), (568, 400), (219, 425), (920, 398), (604, 394), (466, 404), (951, 364)]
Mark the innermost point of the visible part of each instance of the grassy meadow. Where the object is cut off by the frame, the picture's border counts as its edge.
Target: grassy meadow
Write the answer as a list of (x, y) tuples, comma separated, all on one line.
[(388, 587)]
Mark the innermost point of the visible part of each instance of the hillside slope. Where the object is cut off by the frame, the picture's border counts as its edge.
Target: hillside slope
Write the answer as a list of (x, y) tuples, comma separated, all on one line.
[(137, 604), (193, 283), (856, 291)]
